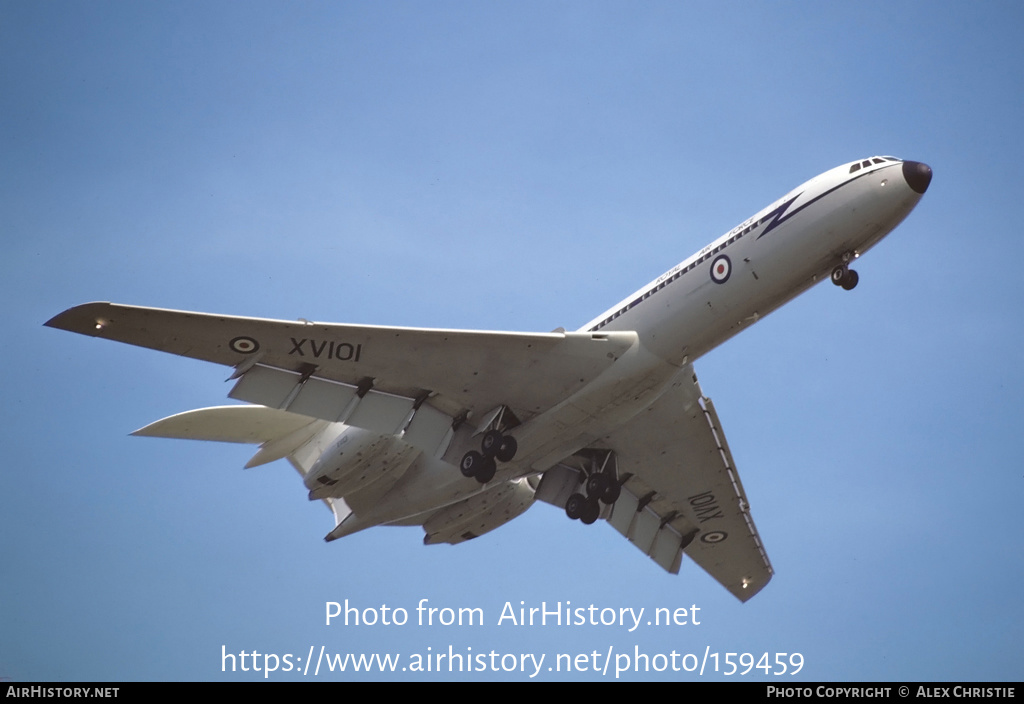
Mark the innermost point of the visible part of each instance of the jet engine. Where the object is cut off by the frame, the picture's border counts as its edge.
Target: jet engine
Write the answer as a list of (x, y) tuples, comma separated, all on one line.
[(479, 514), (356, 459)]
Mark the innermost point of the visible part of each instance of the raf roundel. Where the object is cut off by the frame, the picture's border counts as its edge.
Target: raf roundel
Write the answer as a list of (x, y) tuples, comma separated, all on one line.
[(244, 345), (721, 268), (715, 536)]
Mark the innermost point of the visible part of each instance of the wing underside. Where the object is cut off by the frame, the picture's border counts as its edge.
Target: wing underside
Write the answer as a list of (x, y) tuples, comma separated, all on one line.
[(372, 377), (680, 490)]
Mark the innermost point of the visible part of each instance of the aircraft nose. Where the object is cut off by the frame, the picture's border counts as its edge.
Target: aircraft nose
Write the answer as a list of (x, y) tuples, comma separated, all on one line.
[(918, 175)]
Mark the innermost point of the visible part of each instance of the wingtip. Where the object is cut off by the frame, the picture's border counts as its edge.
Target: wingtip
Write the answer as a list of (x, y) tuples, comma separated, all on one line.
[(85, 319), (750, 587)]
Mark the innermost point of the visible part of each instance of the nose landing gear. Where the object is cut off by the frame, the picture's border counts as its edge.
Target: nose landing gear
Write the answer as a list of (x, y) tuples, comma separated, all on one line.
[(844, 276)]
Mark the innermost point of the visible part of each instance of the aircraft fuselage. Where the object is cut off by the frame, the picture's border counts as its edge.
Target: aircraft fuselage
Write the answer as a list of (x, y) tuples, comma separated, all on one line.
[(768, 259)]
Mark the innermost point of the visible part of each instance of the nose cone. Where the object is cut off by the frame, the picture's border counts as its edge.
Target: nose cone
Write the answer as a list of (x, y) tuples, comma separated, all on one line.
[(918, 175)]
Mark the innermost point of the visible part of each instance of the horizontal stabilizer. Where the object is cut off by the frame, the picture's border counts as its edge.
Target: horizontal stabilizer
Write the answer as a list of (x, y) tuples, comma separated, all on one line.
[(278, 433), (252, 425)]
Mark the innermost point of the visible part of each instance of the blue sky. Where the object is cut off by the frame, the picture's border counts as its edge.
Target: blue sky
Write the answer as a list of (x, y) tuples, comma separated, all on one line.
[(517, 166)]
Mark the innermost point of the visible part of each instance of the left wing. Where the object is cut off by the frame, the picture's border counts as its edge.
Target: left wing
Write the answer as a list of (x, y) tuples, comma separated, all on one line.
[(373, 377), (677, 450), (680, 491)]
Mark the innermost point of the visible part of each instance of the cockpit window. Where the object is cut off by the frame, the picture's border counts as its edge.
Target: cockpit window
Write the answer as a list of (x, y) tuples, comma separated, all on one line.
[(854, 168)]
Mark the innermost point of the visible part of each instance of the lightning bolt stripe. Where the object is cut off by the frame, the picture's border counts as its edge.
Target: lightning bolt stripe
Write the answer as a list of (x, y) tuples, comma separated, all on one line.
[(780, 216), (773, 219)]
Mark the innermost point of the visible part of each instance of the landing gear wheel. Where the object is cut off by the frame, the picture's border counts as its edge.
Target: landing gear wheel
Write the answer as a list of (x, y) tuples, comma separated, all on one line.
[(471, 463), (507, 449), (597, 484), (845, 277), (591, 512), (491, 443), (575, 506), (611, 493), (839, 275), (486, 471)]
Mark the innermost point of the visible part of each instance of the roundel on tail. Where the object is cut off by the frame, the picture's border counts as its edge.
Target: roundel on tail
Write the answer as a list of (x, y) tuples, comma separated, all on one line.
[(721, 268)]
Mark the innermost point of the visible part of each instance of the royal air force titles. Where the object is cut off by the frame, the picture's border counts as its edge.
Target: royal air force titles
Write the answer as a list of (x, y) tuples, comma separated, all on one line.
[(559, 613)]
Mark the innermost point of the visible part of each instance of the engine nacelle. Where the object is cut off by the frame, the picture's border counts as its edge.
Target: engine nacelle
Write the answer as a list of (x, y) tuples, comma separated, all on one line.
[(479, 514), (355, 459)]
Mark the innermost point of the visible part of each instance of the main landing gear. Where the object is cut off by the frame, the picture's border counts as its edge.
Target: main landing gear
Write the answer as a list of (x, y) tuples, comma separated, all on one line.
[(844, 276), (601, 485), (495, 445)]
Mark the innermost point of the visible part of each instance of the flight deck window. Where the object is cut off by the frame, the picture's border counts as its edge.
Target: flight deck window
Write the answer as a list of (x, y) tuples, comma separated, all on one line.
[(865, 163), (855, 167), (878, 161)]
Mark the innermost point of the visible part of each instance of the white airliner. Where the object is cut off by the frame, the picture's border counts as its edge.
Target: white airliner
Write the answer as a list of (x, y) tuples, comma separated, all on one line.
[(461, 431)]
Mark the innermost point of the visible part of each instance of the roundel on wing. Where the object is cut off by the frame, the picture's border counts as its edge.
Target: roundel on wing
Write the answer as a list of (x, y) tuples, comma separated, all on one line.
[(721, 268), (244, 345)]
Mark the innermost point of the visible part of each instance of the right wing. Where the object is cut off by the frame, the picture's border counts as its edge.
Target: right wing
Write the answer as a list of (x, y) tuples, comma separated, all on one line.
[(384, 379)]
